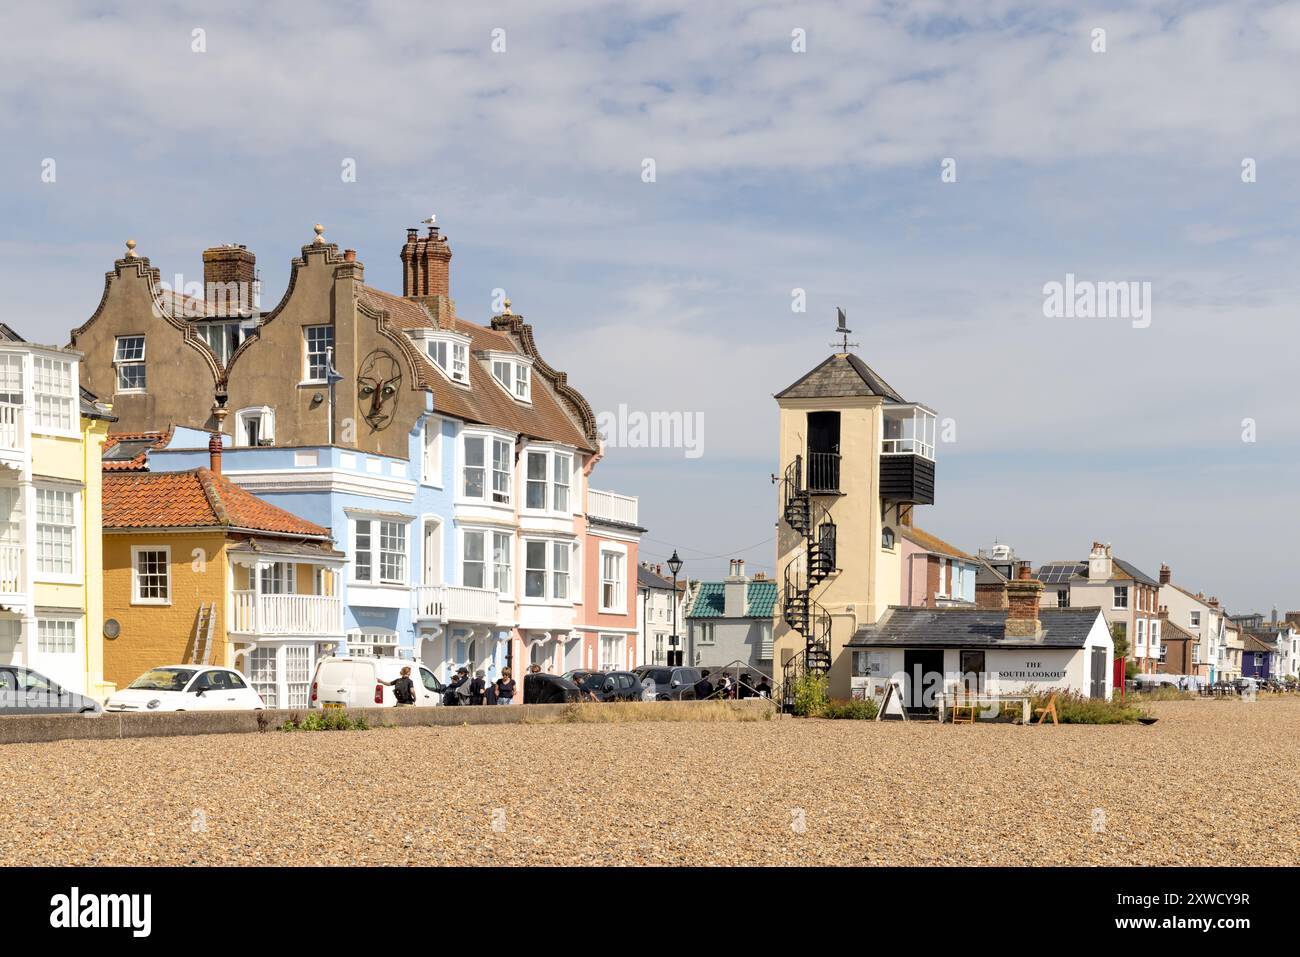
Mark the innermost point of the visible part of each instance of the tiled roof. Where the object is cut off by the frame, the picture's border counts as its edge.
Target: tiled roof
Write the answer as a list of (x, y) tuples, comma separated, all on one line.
[(550, 417), (198, 498), (842, 374), (1255, 643), (129, 451), (710, 600), (973, 628), (1179, 633), (933, 543)]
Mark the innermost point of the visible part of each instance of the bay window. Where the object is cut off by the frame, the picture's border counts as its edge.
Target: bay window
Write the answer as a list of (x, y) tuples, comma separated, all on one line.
[(549, 477), (560, 570), (475, 468), (473, 485), (502, 460), (535, 569), (546, 569), (54, 394), (476, 570), (473, 567)]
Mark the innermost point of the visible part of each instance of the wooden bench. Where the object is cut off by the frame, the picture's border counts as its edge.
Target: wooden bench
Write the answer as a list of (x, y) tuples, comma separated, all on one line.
[(966, 707)]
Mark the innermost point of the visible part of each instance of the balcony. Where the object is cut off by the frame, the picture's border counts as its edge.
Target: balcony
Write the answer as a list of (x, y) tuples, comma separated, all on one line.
[(612, 507), (13, 432), (270, 615), (12, 571), (446, 603), (907, 455)]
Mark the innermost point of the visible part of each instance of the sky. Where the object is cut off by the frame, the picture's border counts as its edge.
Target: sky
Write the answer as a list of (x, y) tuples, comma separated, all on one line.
[(795, 147)]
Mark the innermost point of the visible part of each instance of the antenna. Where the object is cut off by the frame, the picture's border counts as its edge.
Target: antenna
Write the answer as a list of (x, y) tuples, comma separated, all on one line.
[(842, 329)]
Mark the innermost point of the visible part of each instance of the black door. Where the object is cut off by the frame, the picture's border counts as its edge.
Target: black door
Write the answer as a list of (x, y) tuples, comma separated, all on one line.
[(1098, 683), (823, 451), (924, 679)]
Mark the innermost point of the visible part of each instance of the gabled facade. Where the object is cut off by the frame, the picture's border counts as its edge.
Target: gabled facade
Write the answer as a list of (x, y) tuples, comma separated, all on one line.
[(1199, 615), (450, 461), (51, 437), (731, 620), (935, 574), (1127, 597), (855, 459), (656, 615)]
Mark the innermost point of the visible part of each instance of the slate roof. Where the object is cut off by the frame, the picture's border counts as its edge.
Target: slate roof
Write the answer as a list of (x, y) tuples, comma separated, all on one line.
[(842, 374), (1058, 573), (933, 543), (710, 600), (645, 578), (198, 498), (973, 628), (129, 451), (550, 417)]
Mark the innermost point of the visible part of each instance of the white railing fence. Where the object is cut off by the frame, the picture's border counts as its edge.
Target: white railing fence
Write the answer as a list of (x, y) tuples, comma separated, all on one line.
[(612, 506), (287, 614), (11, 569), (11, 426), (456, 603)]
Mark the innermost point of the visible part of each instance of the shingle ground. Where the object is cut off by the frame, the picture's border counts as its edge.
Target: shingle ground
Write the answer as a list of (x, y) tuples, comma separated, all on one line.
[(1213, 782)]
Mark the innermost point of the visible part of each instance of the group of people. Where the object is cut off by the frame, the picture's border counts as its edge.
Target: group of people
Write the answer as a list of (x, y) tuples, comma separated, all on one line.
[(748, 686), (462, 690)]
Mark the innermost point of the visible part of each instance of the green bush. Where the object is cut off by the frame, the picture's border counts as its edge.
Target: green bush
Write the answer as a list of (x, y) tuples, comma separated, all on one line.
[(334, 720), (853, 709), (1163, 693), (810, 697)]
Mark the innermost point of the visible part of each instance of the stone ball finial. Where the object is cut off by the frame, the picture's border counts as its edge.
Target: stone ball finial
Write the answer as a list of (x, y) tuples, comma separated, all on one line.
[(320, 234), (130, 249), (507, 311)]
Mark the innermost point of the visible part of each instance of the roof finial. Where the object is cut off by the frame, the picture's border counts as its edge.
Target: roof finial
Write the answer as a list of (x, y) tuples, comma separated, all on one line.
[(320, 234), (130, 249), (506, 308)]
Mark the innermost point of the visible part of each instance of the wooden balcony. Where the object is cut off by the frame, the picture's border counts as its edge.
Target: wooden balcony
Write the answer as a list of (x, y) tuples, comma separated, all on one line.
[(269, 615)]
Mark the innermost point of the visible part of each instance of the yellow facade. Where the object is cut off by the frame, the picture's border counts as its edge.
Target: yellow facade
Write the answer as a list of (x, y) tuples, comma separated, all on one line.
[(164, 634), (868, 576)]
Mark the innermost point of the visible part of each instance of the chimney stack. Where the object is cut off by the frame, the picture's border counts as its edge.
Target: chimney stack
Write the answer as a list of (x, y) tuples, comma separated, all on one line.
[(734, 591), (1023, 596), (426, 272), (1164, 574), (230, 280), (214, 453)]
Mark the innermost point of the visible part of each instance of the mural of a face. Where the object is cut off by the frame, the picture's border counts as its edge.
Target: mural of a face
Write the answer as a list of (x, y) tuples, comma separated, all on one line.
[(378, 386)]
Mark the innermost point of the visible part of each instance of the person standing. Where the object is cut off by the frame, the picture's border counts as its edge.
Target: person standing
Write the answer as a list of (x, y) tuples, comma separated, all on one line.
[(505, 686), (452, 695), (478, 687), (403, 687)]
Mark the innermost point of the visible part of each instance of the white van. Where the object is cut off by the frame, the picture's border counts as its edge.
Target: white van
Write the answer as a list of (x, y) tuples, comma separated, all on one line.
[(355, 683)]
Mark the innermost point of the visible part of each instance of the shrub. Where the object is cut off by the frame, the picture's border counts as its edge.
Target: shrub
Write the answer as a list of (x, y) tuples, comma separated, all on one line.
[(334, 720), (810, 697), (852, 709), (1162, 693), (1074, 708)]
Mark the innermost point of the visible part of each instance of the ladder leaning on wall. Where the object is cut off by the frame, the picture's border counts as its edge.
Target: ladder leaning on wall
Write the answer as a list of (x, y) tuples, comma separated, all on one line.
[(203, 627)]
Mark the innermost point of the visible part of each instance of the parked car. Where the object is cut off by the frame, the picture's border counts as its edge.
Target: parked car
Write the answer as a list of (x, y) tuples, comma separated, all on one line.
[(607, 685), (23, 691), (671, 684), (548, 689), (355, 683), (187, 688), (1246, 685)]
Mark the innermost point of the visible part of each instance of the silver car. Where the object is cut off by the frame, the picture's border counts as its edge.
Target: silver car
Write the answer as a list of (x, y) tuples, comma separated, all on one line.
[(23, 691)]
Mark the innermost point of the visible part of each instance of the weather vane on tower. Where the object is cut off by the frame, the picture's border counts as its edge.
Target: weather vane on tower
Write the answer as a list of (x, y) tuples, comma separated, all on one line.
[(843, 330)]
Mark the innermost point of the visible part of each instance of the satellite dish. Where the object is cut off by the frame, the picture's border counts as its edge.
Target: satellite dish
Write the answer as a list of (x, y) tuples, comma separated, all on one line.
[(112, 628)]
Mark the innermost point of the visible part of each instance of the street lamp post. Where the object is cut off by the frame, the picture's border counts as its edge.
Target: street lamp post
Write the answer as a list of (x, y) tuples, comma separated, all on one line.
[(675, 565)]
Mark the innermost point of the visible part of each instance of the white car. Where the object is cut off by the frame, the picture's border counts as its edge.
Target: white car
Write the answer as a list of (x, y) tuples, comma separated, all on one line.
[(187, 688)]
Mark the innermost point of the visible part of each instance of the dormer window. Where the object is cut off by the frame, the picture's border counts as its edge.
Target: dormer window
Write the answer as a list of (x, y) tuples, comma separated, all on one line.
[(450, 354), (513, 373)]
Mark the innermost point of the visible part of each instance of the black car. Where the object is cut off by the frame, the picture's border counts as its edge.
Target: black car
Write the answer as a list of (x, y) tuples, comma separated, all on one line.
[(671, 684), (23, 691), (548, 689), (607, 685)]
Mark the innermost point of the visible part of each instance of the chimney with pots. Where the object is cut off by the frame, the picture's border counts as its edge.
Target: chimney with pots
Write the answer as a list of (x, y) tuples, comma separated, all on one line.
[(735, 590), (1164, 574), (230, 280), (1023, 595), (426, 272), (1101, 566), (214, 453)]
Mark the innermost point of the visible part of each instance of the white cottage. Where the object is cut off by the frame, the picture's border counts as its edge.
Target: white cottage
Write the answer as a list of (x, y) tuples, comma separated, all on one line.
[(994, 650)]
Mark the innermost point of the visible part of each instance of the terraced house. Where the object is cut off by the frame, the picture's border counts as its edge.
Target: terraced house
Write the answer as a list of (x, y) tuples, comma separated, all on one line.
[(51, 434), (449, 461), (731, 621)]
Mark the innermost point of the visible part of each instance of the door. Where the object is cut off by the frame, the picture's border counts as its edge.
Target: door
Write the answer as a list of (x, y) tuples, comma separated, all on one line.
[(924, 681), (823, 451), (1098, 683), (432, 552)]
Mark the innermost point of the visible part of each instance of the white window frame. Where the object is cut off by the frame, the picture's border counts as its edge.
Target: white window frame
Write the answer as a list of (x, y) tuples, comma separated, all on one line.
[(69, 632), (1194, 619), (552, 574), (54, 395), (616, 643), (1115, 597), (550, 483), (451, 356), (134, 362), (136, 598), (497, 450), (364, 642), (705, 634), (619, 605), (498, 574), (74, 534), (266, 424), (513, 373), (308, 354), (431, 461), (375, 551)]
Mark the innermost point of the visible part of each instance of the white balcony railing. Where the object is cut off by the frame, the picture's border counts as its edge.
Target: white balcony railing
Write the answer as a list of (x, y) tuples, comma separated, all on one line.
[(456, 603), (11, 569), (12, 438), (287, 614), (612, 507)]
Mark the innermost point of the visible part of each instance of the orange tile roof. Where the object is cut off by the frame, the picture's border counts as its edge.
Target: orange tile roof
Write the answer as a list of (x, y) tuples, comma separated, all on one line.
[(198, 498), (932, 543), (139, 463)]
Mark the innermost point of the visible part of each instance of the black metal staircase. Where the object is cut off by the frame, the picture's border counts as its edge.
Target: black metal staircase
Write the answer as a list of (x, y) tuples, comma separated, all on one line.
[(803, 574)]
